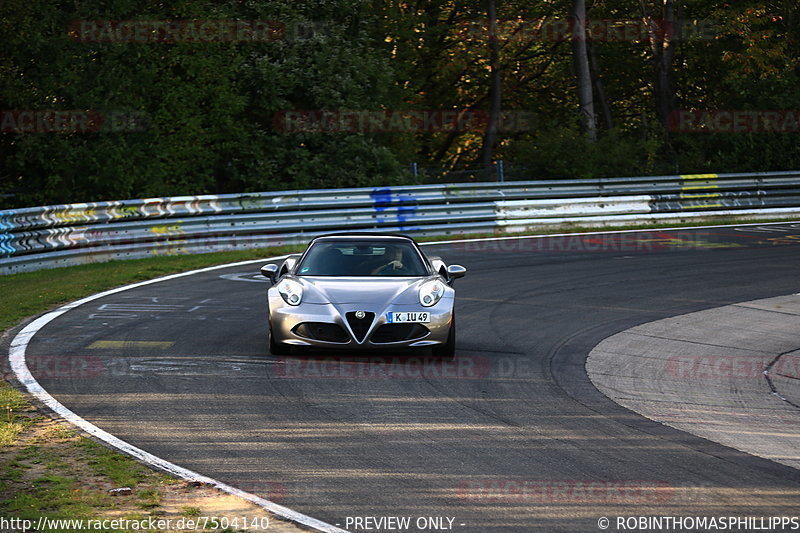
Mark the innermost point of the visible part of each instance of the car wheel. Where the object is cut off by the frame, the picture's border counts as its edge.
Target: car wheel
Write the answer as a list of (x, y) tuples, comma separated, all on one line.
[(448, 349), (277, 348)]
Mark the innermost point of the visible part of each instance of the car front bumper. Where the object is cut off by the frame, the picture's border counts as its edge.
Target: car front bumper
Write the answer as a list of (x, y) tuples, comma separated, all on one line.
[(285, 321)]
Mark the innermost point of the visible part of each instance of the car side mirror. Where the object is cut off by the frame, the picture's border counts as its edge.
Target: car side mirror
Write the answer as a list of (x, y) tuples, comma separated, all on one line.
[(288, 265), (455, 271), (270, 272)]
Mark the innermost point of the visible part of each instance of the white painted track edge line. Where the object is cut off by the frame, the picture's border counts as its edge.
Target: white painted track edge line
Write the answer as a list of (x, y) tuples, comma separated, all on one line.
[(20, 368), (16, 356)]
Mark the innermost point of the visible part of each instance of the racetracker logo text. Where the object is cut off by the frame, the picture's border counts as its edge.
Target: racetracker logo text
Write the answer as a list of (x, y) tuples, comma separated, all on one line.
[(532, 491), (710, 367), (383, 367), (65, 367)]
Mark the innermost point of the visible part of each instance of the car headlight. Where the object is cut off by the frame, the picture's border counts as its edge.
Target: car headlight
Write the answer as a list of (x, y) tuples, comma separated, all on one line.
[(291, 292), (430, 293)]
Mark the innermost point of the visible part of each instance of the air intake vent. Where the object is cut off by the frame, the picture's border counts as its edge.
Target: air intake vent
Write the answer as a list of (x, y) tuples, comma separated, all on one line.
[(360, 326), (322, 331), (399, 332)]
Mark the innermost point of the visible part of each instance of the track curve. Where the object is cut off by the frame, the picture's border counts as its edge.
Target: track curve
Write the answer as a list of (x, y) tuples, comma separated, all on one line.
[(511, 436), (727, 374)]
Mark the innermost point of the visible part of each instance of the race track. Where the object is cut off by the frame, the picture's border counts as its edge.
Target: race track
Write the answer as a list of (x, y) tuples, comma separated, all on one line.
[(511, 436)]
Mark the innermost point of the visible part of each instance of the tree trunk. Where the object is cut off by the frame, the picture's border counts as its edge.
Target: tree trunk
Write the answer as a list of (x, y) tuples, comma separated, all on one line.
[(584, 78), (661, 36), (599, 88), (495, 97)]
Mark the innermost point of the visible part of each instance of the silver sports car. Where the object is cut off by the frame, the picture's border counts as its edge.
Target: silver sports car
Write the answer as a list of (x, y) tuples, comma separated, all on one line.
[(362, 291)]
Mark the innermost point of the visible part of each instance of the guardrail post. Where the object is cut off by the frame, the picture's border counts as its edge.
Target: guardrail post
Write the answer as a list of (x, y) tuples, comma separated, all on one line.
[(500, 171)]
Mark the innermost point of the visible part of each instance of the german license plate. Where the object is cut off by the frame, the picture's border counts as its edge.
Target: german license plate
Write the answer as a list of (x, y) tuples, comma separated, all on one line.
[(410, 316)]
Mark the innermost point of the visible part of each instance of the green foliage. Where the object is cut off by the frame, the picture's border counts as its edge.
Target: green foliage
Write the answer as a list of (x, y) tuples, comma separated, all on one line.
[(205, 109), (204, 113), (563, 152)]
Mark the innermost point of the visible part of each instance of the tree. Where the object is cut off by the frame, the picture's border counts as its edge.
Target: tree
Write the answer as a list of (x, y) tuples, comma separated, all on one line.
[(495, 94), (660, 35), (583, 74)]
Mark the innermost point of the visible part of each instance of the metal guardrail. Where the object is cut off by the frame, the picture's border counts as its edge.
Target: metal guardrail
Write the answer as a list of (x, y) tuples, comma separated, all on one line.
[(44, 237)]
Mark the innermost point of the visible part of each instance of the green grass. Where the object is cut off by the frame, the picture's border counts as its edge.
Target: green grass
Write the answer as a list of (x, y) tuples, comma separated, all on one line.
[(149, 499), (11, 425), (55, 495), (37, 479), (191, 511), (122, 470), (11, 472)]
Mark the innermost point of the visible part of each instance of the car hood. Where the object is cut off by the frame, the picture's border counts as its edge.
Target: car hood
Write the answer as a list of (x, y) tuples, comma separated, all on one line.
[(344, 290)]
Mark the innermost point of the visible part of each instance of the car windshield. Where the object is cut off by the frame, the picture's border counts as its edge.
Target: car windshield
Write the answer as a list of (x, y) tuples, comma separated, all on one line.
[(362, 258)]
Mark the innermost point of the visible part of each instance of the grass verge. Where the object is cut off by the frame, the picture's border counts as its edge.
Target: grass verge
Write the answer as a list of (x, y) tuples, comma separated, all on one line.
[(48, 469)]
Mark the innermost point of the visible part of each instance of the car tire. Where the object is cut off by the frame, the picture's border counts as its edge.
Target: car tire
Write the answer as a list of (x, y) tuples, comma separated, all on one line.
[(277, 348), (448, 349)]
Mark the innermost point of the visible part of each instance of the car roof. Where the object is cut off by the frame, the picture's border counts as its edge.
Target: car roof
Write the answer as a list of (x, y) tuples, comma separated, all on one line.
[(362, 235)]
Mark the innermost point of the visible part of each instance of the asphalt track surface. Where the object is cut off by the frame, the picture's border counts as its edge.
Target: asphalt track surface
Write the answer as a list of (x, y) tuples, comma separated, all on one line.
[(511, 436)]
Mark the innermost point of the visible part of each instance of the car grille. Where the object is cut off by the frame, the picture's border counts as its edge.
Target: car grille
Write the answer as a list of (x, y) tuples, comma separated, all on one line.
[(360, 326), (399, 332), (321, 331)]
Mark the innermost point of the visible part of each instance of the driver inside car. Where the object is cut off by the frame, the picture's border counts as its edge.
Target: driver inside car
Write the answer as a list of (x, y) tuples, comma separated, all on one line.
[(395, 264)]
